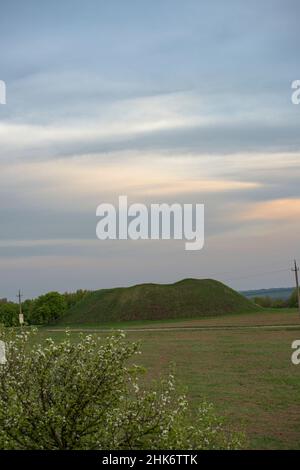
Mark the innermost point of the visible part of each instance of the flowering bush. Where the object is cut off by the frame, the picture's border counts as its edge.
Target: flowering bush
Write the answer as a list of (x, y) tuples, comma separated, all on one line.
[(84, 395)]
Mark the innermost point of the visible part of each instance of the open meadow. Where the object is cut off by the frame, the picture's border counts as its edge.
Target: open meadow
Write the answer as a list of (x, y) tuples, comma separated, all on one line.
[(241, 363)]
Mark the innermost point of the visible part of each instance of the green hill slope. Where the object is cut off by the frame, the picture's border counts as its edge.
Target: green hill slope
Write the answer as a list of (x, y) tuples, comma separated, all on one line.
[(184, 299)]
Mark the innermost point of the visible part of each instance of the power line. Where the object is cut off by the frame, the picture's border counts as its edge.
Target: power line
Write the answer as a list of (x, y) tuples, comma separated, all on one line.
[(257, 275)]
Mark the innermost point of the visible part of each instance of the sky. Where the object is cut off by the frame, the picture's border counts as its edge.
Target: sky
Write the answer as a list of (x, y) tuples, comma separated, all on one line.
[(162, 101)]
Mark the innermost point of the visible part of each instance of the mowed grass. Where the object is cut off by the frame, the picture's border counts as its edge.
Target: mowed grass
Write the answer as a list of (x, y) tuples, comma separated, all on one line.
[(247, 372), (267, 317)]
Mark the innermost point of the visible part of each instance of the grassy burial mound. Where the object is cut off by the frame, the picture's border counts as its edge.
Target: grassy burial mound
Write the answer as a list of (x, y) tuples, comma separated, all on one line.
[(184, 299)]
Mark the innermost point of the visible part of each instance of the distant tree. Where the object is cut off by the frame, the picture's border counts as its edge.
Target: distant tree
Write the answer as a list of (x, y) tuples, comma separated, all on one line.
[(84, 395), (73, 297), (263, 301), (293, 300), (269, 302), (27, 306), (47, 308), (279, 303), (42, 310), (9, 314)]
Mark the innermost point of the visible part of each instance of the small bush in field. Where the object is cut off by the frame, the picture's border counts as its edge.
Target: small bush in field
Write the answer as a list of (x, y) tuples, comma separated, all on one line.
[(84, 395)]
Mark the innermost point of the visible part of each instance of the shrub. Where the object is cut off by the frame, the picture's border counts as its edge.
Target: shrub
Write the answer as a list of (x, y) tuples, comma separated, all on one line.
[(9, 314), (47, 308), (269, 302), (84, 395)]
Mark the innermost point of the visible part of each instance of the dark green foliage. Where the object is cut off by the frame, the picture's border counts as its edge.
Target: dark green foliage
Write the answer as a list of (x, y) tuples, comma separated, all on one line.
[(293, 300), (9, 313), (269, 302), (72, 298), (47, 308)]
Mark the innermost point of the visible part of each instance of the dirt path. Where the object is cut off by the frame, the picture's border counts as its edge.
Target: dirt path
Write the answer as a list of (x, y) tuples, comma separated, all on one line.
[(181, 328)]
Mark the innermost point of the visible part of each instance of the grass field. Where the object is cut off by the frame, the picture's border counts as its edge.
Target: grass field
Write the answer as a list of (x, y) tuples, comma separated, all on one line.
[(242, 363)]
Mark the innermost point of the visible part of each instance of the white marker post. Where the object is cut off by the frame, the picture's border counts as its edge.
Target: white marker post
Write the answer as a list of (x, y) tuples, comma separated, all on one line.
[(2, 353), (21, 315)]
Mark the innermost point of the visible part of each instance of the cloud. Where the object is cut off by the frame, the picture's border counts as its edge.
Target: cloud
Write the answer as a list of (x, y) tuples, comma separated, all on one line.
[(274, 210), (58, 199), (171, 122)]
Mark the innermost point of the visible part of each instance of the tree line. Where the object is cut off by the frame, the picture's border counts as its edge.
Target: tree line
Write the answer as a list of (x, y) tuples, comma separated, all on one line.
[(45, 309), (269, 302)]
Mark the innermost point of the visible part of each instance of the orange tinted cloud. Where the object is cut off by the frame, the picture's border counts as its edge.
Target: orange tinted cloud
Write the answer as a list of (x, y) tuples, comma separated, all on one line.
[(276, 209)]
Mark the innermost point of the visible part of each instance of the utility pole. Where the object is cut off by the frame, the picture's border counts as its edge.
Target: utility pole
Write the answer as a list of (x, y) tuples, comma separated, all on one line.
[(295, 269), (21, 316)]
